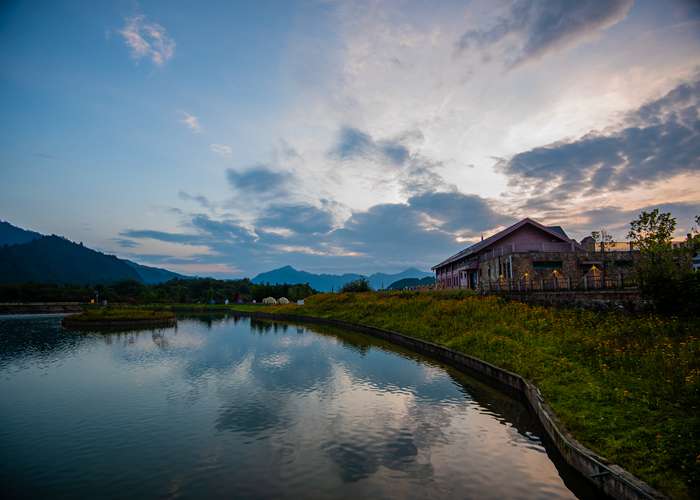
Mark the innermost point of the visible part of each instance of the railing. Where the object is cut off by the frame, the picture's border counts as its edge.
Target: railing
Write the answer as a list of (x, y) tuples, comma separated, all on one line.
[(617, 282)]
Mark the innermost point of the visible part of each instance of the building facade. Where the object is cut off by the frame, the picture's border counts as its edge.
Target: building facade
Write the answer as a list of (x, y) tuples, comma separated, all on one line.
[(529, 255)]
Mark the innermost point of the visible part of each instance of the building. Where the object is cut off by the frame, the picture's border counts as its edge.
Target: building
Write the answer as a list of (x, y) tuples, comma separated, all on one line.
[(530, 255)]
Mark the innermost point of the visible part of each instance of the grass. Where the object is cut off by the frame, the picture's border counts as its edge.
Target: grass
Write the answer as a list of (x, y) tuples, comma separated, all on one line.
[(120, 314), (628, 387)]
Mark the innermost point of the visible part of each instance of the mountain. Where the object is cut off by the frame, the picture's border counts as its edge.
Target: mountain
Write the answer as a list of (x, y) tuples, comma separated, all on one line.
[(29, 256), (379, 281), (411, 282), (153, 275), (52, 259), (320, 282), (13, 235), (330, 282)]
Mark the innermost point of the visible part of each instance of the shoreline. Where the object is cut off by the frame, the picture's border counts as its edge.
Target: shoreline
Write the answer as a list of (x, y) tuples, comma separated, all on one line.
[(7, 308)]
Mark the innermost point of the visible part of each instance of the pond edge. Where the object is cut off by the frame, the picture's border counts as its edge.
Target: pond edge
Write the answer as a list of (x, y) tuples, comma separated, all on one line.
[(611, 479)]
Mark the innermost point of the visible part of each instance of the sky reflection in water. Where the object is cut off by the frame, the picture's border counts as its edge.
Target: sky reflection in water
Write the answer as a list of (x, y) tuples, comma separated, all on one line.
[(233, 407)]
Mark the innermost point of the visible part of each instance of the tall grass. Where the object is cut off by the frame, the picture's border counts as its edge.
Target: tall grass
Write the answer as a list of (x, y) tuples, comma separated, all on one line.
[(626, 386)]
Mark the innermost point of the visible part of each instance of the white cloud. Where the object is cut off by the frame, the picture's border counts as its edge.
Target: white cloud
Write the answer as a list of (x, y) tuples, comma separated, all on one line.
[(191, 121), (221, 149), (147, 39)]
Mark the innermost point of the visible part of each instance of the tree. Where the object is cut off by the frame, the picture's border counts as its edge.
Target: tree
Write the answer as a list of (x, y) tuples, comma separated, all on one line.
[(652, 231), (665, 273), (359, 285), (603, 239)]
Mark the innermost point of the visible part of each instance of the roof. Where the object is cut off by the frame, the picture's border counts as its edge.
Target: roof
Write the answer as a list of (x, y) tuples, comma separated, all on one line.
[(555, 231), (559, 230)]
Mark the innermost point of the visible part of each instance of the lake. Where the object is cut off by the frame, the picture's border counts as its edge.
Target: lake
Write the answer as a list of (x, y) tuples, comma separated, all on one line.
[(233, 407)]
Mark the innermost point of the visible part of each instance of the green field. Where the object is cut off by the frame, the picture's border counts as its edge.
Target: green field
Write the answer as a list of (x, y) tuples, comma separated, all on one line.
[(626, 386)]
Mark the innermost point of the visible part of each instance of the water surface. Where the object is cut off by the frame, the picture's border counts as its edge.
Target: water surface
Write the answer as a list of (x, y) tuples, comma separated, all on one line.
[(230, 407)]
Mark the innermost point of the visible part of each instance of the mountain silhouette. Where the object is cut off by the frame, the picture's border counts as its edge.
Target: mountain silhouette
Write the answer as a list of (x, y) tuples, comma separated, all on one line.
[(333, 282)]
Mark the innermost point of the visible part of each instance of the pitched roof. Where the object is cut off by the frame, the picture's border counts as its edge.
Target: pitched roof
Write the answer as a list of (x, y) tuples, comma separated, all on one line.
[(559, 230), (555, 231)]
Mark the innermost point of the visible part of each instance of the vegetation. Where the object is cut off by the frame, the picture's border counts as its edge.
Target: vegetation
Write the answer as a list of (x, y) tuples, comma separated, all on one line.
[(626, 386), (358, 285), (189, 291), (111, 316), (665, 272), (411, 283)]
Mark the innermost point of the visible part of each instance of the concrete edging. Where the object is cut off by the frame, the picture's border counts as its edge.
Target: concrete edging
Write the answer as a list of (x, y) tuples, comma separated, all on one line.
[(612, 479)]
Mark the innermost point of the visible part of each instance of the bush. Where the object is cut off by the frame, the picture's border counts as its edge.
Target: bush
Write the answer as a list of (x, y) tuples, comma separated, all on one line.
[(283, 300), (269, 300), (359, 285)]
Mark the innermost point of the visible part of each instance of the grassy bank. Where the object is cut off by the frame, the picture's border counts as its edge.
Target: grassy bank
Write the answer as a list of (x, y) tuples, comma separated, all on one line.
[(114, 316), (626, 386)]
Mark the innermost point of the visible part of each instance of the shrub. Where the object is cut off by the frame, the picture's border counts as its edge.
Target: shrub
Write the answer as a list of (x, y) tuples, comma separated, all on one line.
[(269, 300), (283, 300), (359, 285)]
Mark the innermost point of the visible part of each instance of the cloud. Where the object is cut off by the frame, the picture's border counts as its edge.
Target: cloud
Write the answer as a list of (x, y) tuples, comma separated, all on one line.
[(459, 212), (191, 121), (221, 150), (390, 236), (413, 172), (532, 28), (259, 179), (125, 243), (147, 39), (655, 142), (161, 236), (353, 143), (393, 234), (305, 219), (201, 199), (617, 219)]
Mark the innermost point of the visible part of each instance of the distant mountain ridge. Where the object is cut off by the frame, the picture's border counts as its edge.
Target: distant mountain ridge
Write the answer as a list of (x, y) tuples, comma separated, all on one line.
[(27, 256), (333, 282)]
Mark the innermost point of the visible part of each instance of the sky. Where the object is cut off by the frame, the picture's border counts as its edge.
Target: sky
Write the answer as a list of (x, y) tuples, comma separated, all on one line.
[(229, 138)]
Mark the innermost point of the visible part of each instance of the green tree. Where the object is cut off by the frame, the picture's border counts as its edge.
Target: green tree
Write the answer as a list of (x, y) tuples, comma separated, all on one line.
[(652, 231), (665, 273), (359, 285)]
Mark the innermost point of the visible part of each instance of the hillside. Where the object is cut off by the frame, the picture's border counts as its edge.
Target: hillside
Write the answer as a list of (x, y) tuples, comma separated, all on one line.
[(153, 275), (52, 259), (411, 282), (58, 260), (13, 235), (380, 281)]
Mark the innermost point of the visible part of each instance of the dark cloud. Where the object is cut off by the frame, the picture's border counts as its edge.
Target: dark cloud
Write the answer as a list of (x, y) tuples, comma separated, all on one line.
[(459, 211), (532, 28), (387, 237), (191, 239), (392, 233), (353, 143), (125, 243), (617, 220), (299, 218), (259, 179), (659, 140), (406, 232), (223, 231)]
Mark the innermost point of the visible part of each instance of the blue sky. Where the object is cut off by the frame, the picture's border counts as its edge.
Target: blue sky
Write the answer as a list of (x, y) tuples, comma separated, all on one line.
[(228, 138)]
